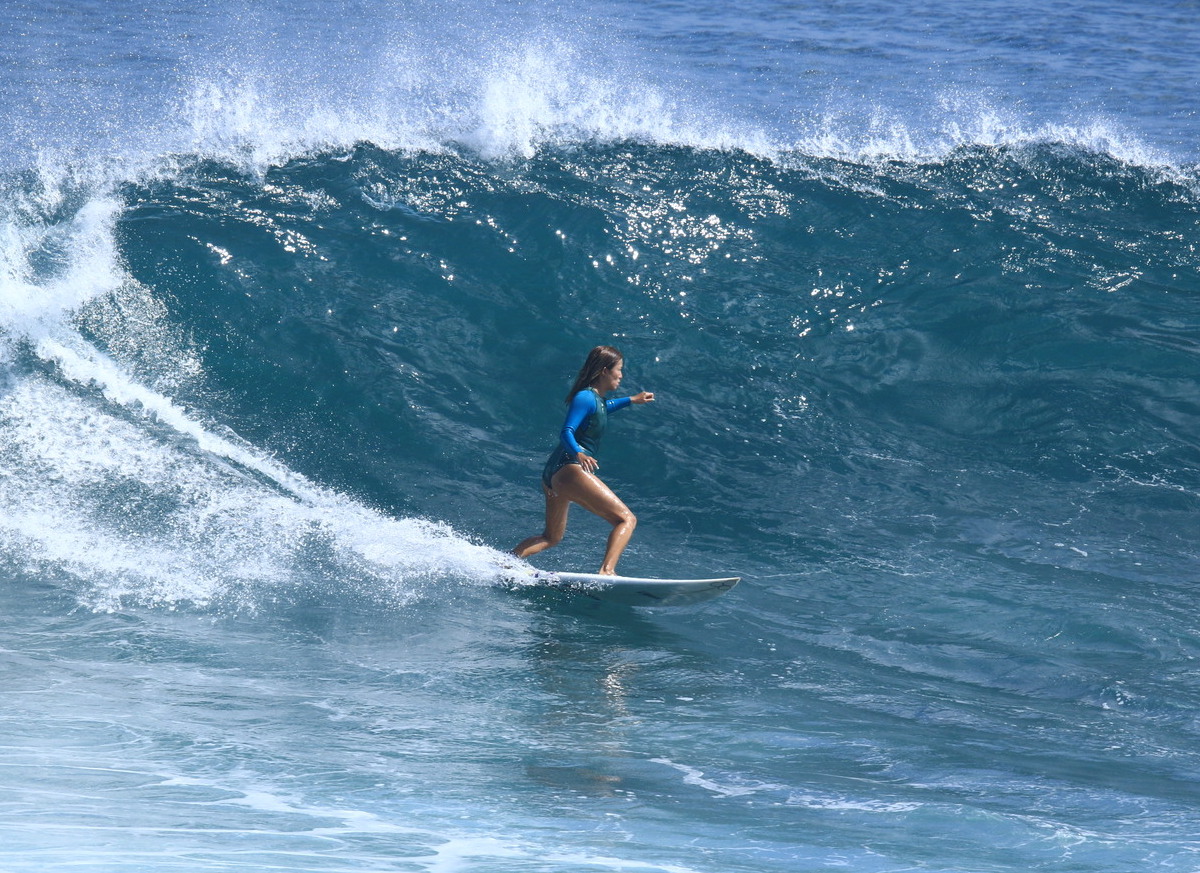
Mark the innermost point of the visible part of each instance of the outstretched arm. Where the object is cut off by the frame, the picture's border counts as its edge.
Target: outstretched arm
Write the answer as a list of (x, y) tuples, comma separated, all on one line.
[(622, 402)]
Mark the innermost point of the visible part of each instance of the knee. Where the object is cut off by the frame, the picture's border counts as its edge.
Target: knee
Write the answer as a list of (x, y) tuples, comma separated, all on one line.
[(628, 519), (552, 538)]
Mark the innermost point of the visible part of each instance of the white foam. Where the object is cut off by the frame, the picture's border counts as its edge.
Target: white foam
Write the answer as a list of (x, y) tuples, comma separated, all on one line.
[(696, 777), (107, 479), (140, 517), (523, 98), (509, 102), (79, 257), (960, 123), (510, 96), (451, 848)]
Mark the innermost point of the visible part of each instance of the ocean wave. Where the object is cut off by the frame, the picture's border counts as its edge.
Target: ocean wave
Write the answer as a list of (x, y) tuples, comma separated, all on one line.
[(225, 323)]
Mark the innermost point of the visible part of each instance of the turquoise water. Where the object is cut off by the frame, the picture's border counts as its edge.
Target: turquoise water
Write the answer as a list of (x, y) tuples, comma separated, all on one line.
[(289, 298)]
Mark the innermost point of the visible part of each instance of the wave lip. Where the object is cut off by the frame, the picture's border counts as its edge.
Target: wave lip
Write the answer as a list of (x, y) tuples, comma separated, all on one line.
[(885, 136)]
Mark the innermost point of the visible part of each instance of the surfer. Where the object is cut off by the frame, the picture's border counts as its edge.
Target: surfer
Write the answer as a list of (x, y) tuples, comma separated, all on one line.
[(570, 473)]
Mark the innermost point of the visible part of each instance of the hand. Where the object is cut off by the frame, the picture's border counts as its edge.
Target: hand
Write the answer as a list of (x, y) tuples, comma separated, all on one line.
[(589, 464), (644, 397)]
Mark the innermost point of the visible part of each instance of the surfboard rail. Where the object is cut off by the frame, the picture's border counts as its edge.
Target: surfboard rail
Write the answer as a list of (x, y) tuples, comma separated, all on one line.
[(635, 590)]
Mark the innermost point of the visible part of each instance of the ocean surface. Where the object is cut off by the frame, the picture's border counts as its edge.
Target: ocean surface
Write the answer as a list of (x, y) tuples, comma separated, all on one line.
[(290, 295)]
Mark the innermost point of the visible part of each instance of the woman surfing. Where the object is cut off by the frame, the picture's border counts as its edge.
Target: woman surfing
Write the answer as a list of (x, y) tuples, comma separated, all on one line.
[(570, 472)]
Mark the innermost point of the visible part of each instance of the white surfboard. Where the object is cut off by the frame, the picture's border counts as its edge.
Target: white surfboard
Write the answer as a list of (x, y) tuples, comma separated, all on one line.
[(633, 591)]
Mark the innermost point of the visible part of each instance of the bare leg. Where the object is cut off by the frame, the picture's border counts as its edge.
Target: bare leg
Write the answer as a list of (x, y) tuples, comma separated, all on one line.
[(573, 485), (556, 525)]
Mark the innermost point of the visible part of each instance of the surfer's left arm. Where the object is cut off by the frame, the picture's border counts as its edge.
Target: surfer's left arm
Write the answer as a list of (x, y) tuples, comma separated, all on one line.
[(622, 402)]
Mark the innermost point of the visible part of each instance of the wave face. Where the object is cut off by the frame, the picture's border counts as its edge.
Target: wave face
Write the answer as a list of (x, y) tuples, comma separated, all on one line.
[(278, 374), (1001, 318)]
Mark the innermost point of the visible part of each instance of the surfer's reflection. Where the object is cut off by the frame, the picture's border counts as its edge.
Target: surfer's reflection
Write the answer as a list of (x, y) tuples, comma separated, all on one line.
[(584, 735)]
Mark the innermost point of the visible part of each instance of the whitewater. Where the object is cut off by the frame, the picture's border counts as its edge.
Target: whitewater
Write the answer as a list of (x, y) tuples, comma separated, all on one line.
[(289, 298)]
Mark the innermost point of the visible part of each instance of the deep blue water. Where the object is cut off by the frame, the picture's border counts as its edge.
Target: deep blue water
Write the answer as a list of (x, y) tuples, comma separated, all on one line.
[(289, 298)]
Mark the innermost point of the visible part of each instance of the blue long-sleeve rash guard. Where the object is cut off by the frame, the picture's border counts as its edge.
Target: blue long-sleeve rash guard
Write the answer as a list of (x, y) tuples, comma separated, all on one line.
[(583, 406)]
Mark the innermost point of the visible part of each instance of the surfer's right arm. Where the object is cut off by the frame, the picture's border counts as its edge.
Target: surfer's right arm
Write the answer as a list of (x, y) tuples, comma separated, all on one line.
[(582, 405)]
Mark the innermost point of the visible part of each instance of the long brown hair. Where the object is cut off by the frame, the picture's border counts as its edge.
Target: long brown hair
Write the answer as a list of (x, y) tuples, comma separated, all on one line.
[(598, 360)]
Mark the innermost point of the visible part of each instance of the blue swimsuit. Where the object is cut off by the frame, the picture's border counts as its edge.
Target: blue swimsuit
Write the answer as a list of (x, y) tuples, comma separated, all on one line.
[(587, 419)]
